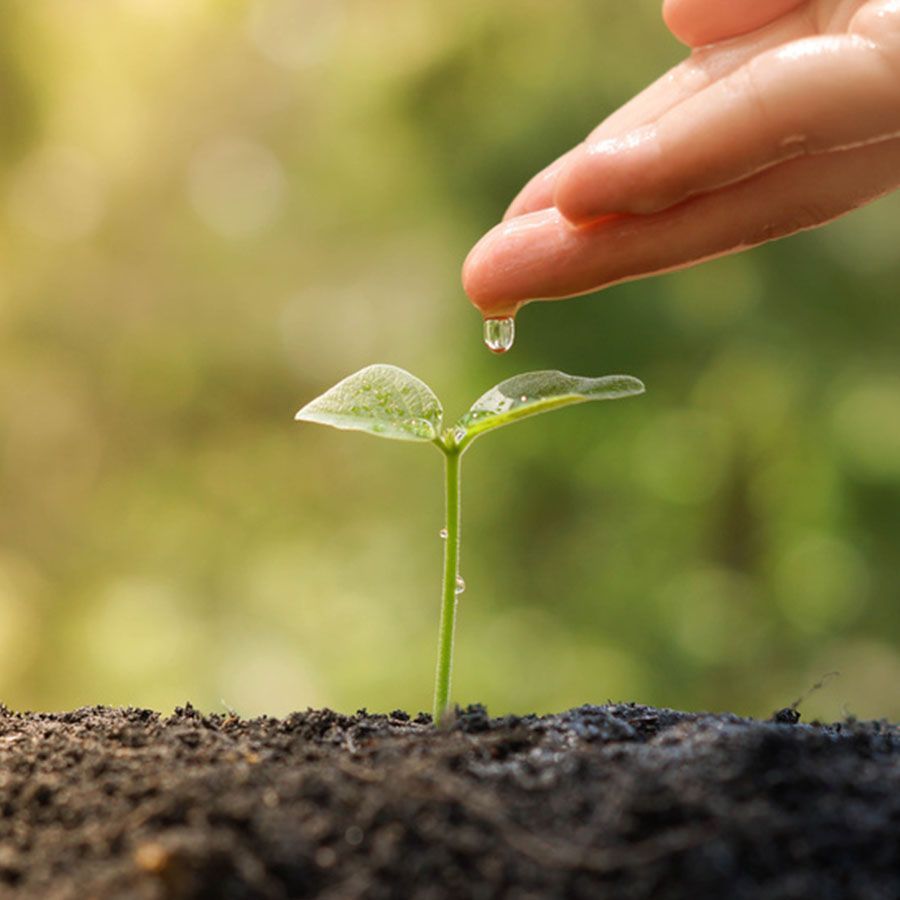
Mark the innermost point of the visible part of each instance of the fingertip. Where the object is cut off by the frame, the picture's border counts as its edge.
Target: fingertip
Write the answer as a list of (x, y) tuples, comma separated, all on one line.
[(615, 175), (502, 270), (479, 277), (514, 209), (572, 194), (700, 22), (681, 25), (697, 22), (537, 194), (471, 282)]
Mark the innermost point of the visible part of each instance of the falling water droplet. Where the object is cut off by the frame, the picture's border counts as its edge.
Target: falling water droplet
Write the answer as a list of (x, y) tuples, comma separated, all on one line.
[(499, 334), (443, 534), (460, 585)]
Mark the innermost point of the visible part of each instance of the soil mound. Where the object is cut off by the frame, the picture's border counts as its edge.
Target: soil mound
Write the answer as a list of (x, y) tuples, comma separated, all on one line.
[(619, 801)]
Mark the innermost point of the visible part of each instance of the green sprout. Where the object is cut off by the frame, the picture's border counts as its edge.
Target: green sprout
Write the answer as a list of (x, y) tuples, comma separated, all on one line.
[(389, 402)]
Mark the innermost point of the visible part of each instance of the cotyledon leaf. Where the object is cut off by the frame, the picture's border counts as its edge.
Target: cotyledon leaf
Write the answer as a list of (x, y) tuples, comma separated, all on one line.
[(537, 392), (382, 400)]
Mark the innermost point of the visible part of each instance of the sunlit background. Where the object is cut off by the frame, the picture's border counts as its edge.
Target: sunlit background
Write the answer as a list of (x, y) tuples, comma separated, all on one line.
[(213, 211)]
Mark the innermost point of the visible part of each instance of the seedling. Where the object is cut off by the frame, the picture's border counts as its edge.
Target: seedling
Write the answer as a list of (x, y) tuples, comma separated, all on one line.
[(389, 402)]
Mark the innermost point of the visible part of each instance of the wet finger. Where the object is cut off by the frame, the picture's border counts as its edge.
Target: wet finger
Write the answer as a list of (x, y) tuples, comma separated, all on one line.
[(542, 255), (686, 80), (770, 110), (698, 22)]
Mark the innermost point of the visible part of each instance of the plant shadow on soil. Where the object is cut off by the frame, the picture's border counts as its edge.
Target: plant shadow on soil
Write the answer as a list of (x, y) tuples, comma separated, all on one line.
[(616, 801)]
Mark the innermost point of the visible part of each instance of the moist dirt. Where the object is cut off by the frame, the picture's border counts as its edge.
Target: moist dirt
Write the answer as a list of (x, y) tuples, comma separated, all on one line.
[(618, 801)]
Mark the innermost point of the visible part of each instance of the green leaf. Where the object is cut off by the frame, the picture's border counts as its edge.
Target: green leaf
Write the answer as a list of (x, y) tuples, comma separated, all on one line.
[(537, 392), (381, 400)]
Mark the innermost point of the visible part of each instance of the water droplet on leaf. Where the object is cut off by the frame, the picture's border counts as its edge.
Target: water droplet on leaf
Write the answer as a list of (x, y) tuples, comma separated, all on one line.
[(499, 334)]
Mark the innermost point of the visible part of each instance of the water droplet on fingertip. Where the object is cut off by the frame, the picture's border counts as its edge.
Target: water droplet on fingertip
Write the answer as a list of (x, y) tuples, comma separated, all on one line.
[(499, 334)]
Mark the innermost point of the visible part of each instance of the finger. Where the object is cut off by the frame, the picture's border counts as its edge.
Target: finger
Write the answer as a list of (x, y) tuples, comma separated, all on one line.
[(686, 80), (542, 255), (699, 22), (769, 110), (538, 192)]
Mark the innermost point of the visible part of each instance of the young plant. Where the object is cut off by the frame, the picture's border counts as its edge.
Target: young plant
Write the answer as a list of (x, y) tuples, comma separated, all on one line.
[(389, 402)]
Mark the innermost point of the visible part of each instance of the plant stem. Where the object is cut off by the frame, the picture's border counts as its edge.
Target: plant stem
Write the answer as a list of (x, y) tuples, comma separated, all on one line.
[(452, 458)]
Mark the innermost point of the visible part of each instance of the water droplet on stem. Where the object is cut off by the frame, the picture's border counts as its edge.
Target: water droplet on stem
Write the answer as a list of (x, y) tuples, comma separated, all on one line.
[(499, 334), (443, 534), (460, 585)]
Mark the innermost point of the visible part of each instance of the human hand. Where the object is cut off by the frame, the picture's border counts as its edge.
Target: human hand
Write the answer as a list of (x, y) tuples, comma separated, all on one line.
[(785, 116)]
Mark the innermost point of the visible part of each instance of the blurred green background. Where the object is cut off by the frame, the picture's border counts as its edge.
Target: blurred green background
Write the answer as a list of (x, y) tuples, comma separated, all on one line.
[(213, 211)]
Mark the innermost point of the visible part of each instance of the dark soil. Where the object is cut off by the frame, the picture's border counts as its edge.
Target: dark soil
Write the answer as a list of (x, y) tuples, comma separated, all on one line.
[(619, 801)]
